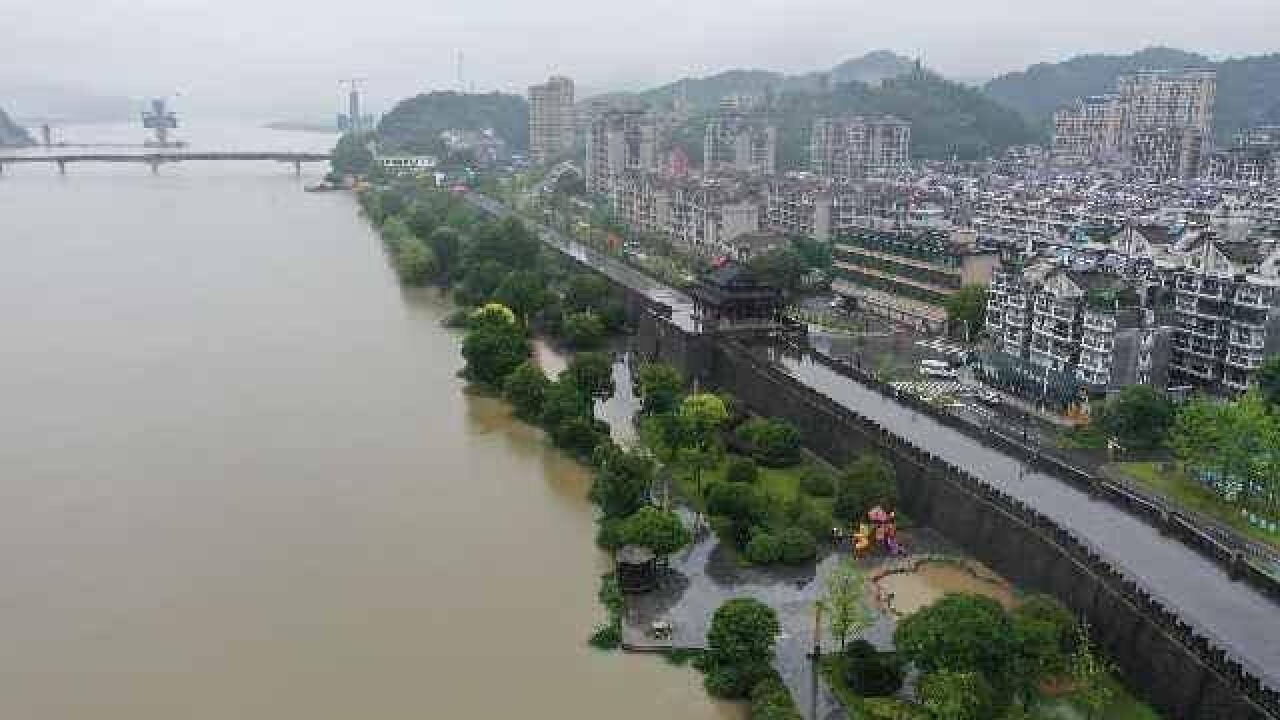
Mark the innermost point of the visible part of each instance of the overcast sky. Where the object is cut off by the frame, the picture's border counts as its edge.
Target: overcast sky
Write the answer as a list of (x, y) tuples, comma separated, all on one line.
[(283, 58)]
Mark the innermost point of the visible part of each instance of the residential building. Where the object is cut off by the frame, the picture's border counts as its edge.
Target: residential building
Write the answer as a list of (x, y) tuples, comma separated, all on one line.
[(1253, 158), (618, 141), (700, 215), (1167, 121), (737, 142), (908, 275), (1226, 305), (552, 118), (1088, 325), (855, 148), (1087, 131), (822, 209)]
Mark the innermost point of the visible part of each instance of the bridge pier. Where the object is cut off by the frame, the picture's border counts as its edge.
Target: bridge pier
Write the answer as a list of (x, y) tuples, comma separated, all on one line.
[(155, 166), (62, 167), (297, 168)]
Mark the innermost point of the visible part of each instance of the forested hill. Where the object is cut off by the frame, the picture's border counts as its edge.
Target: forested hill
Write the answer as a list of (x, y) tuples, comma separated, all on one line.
[(10, 133), (1248, 88), (705, 93), (414, 125), (947, 119)]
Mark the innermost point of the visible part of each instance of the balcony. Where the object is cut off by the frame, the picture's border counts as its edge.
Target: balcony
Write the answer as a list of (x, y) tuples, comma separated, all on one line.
[(1200, 370), (1235, 383), (1205, 330), (1244, 361), (1096, 343), (1201, 287), (1099, 323), (1052, 332), (1195, 347), (1252, 297), (1247, 341)]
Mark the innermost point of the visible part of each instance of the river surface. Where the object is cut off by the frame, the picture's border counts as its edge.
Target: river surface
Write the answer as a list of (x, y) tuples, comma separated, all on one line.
[(241, 479)]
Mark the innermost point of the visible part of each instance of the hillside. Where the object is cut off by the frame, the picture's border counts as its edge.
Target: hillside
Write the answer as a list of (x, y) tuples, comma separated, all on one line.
[(705, 93), (414, 125), (1248, 88), (947, 119), (10, 133)]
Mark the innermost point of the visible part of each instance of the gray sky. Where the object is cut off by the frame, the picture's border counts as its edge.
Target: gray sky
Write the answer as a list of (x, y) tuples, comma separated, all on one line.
[(282, 58)]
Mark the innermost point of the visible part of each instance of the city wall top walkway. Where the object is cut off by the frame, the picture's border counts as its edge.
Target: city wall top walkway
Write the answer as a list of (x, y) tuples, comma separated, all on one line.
[(1243, 622)]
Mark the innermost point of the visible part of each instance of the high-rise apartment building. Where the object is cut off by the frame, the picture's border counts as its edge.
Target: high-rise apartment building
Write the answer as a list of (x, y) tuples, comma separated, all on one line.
[(1087, 131), (1167, 120), (551, 119), (740, 143), (855, 148), (618, 141)]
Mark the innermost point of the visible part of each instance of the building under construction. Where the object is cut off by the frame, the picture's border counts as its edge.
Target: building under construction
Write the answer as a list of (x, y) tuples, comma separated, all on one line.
[(551, 119), (855, 148)]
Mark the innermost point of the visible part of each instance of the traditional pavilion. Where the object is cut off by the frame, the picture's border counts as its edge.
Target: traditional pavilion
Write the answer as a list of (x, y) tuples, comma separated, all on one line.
[(637, 569), (733, 295)]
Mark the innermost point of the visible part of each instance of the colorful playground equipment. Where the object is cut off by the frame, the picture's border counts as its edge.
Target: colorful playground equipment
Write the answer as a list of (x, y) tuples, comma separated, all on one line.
[(882, 530)]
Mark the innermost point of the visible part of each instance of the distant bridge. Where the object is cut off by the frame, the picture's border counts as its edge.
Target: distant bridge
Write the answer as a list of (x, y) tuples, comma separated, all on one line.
[(156, 159)]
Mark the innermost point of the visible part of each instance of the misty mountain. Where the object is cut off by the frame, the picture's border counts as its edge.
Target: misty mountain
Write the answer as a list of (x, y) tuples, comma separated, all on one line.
[(948, 119), (57, 104), (414, 124), (11, 133), (1248, 88), (705, 93)]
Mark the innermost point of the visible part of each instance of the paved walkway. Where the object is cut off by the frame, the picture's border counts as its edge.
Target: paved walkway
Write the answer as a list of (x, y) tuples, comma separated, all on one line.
[(1242, 621)]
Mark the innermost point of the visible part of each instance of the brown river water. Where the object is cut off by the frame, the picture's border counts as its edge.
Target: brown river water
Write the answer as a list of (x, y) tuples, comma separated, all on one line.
[(241, 479)]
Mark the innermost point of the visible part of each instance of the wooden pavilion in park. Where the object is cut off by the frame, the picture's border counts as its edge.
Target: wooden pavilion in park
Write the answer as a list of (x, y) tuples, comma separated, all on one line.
[(733, 295)]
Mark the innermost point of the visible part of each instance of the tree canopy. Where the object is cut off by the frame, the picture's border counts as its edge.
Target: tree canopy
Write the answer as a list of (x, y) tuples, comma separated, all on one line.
[(740, 646)]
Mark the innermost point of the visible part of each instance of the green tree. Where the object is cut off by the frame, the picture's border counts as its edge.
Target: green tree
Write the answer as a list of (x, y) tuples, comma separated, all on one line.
[(700, 418), (586, 291), (967, 311), (796, 545), (1043, 632), (526, 389), (744, 506), (480, 281), (741, 470), (1138, 417), (414, 261), (781, 267), (395, 232), (1268, 377), (507, 242), (563, 400), (351, 156), (592, 373), (740, 646), (579, 435), (494, 346), (447, 247), (1239, 440), (844, 601), (583, 330), (867, 482), (764, 548), (422, 219), (524, 291), (622, 481), (961, 633), (661, 531), (774, 442), (956, 695), (660, 386), (1092, 674)]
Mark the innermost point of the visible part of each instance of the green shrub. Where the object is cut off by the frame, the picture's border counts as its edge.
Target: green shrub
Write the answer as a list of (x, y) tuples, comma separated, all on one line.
[(871, 673), (607, 636), (770, 700), (765, 548), (817, 482), (741, 470), (796, 545)]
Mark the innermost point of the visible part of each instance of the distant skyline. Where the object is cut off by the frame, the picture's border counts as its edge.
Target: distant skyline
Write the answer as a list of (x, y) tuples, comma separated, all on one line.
[(283, 58)]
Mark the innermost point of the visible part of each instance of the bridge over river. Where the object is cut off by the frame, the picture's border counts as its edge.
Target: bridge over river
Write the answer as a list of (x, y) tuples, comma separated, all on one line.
[(156, 159), (1244, 622)]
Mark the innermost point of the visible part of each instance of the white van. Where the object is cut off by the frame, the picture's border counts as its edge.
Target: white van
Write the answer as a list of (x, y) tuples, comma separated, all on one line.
[(937, 369)]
